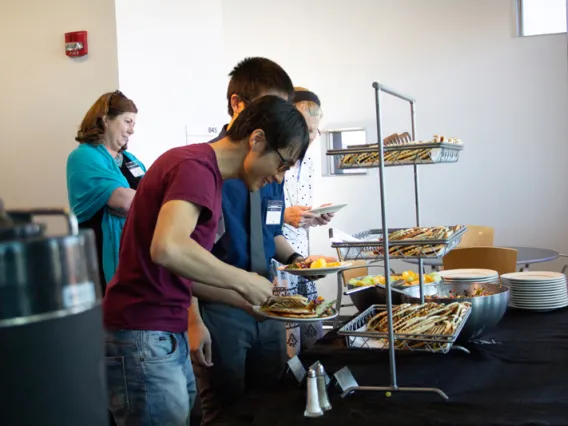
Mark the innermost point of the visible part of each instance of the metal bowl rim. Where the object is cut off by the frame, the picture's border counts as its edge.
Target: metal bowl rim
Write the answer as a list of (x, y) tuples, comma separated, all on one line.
[(502, 289)]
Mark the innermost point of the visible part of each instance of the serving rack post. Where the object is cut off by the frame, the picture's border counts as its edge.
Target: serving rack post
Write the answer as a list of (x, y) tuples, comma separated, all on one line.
[(365, 248), (412, 102), (417, 197), (392, 357)]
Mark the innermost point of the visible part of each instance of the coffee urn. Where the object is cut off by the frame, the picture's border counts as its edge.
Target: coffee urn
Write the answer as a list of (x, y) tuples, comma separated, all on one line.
[(51, 335)]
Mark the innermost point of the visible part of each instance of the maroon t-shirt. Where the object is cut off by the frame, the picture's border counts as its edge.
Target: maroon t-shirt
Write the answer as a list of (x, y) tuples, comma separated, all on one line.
[(143, 295)]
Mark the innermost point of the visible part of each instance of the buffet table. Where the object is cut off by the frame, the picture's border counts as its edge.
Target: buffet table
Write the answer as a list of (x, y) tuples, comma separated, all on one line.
[(516, 374)]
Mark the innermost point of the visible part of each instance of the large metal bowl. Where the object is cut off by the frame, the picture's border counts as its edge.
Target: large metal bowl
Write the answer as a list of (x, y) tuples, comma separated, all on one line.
[(486, 311)]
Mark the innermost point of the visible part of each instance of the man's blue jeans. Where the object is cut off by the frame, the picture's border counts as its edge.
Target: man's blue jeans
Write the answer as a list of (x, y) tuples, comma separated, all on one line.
[(150, 378)]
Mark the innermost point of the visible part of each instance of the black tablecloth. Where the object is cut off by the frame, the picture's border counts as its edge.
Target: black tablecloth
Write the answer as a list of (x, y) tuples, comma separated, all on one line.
[(520, 379)]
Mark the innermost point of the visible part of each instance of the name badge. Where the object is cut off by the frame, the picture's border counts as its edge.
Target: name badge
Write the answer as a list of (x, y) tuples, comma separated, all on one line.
[(220, 229), (274, 212), (135, 169)]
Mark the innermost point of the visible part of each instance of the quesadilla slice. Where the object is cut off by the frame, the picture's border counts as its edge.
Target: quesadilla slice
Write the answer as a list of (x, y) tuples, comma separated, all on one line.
[(297, 306)]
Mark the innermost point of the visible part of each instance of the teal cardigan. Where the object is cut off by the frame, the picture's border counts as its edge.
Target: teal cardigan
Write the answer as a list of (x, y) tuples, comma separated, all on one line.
[(92, 176)]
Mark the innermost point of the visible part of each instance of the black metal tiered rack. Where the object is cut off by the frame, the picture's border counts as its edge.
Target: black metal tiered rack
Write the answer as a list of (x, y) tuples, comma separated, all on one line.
[(374, 245)]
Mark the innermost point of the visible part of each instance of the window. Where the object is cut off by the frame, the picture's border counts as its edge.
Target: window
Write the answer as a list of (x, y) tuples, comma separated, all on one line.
[(538, 17), (341, 139)]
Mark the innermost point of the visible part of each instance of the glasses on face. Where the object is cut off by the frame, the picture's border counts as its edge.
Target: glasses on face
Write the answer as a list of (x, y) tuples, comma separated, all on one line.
[(285, 165)]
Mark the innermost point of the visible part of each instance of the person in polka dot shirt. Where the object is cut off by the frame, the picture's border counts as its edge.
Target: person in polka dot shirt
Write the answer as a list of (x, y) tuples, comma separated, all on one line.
[(298, 220)]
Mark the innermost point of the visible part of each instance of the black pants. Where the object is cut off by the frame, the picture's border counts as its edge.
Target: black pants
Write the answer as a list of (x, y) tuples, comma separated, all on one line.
[(246, 355)]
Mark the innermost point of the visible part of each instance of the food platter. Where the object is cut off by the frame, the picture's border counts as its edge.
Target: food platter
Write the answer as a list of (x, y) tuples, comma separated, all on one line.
[(268, 315), (399, 150), (430, 327), (318, 268), (296, 309), (314, 272), (406, 279), (404, 243)]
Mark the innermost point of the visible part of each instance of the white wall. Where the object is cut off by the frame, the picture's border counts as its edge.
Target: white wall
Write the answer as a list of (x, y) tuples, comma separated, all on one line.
[(46, 94), (171, 63), (506, 97)]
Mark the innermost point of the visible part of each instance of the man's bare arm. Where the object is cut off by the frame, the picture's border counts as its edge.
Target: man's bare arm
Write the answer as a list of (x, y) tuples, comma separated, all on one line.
[(173, 249)]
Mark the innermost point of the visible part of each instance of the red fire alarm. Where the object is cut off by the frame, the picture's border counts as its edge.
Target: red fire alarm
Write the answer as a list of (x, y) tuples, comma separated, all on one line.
[(76, 44)]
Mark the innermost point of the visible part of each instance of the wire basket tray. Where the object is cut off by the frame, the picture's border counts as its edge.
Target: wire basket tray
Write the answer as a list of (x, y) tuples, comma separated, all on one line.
[(357, 336), (398, 249), (367, 156)]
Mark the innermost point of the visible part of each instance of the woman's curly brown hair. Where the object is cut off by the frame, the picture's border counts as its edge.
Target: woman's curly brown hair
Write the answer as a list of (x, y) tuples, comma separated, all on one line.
[(111, 104)]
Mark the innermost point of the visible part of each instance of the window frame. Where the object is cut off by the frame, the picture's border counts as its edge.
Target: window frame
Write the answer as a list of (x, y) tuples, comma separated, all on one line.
[(520, 22)]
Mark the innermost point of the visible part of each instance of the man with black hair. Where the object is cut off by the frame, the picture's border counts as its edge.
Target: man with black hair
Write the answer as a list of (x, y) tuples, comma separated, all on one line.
[(255, 77), (170, 229), (242, 352)]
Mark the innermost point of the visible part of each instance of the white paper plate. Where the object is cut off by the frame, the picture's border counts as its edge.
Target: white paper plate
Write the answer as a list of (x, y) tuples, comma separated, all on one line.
[(534, 276), (539, 299), (532, 286), (468, 274), (559, 281), (538, 307), (317, 271), (538, 296), (257, 311), (327, 209)]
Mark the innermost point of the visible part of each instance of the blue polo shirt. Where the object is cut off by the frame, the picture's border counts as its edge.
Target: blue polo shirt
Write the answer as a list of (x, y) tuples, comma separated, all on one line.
[(234, 247)]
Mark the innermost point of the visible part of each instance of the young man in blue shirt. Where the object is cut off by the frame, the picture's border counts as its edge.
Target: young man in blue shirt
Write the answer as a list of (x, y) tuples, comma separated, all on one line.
[(242, 351)]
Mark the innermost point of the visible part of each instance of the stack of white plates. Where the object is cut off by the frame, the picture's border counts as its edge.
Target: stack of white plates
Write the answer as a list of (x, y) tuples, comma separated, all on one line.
[(468, 276), (536, 291)]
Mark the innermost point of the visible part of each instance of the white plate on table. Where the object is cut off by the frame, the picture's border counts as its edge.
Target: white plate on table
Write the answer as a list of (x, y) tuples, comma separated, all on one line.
[(315, 272), (534, 276), (468, 274), (268, 315), (327, 209)]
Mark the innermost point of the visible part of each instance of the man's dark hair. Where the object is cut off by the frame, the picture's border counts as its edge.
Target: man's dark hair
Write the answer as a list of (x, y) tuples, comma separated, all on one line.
[(283, 125), (253, 76)]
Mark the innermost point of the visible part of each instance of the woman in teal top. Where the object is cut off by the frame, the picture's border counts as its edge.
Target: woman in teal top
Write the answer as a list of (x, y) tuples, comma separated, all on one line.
[(102, 176)]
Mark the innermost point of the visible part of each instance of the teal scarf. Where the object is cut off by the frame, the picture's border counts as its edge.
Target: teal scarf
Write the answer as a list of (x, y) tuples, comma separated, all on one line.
[(92, 176)]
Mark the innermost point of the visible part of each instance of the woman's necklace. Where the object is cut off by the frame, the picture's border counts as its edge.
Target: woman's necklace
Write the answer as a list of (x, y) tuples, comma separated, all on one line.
[(119, 159)]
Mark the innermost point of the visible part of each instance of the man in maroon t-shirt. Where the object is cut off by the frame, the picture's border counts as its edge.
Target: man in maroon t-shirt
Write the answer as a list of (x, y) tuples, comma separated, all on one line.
[(165, 245)]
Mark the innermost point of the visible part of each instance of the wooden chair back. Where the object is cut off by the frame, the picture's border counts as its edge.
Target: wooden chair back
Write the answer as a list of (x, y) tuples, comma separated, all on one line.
[(477, 236), (502, 260)]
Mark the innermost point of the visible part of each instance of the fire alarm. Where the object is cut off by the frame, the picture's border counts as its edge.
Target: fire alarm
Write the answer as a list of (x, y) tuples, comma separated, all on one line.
[(76, 44)]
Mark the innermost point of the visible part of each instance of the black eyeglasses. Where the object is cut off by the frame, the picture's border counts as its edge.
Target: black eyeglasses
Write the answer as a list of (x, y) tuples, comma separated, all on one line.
[(285, 165)]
